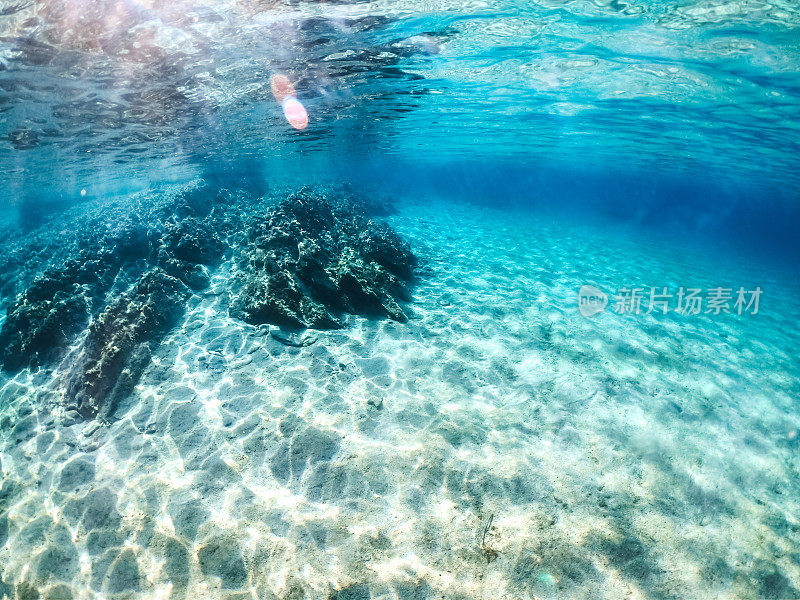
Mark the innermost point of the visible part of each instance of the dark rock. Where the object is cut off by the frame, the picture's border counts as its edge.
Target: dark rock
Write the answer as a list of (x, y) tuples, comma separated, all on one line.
[(197, 200), (127, 277), (131, 244), (124, 575), (371, 205), (312, 259), (47, 316), (193, 241), (59, 592), (41, 323), (191, 274), (60, 563), (176, 564), (221, 557), (120, 341), (26, 591), (76, 473)]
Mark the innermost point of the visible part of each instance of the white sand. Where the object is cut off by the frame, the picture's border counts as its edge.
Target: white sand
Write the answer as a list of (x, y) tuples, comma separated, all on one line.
[(618, 457)]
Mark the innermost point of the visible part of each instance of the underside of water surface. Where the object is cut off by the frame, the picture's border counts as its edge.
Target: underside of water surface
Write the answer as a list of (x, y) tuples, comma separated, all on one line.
[(483, 300)]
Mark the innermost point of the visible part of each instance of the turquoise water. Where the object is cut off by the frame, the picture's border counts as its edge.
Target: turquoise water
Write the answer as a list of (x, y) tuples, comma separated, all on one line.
[(372, 300)]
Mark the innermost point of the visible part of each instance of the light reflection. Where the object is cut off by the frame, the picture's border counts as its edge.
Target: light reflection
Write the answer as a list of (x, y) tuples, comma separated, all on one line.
[(295, 113), (282, 88), (284, 92)]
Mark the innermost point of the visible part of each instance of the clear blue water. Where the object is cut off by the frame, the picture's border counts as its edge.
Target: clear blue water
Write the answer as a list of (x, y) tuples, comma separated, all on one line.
[(659, 107), (179, 418)]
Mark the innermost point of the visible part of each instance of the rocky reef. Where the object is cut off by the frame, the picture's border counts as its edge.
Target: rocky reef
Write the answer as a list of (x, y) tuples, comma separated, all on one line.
[(125, 287), (97, 314), (44, 319), (120, 342), (42, 322), (313, 258)]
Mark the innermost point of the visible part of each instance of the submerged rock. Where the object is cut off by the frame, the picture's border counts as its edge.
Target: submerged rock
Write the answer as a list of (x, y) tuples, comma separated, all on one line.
[(42, 322), (45, 319), (184, 246), (124, 280), (192, 241), (124, 575), (121, 340), (222, 557), (312, 259), (371, 205)]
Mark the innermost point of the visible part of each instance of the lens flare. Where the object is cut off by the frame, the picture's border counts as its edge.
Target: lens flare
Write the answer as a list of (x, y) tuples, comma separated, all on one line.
[(295, 113), (284, 93), (282, 88)]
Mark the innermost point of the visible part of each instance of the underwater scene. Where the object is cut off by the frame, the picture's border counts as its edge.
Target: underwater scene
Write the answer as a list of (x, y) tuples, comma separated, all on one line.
[(410, 300)]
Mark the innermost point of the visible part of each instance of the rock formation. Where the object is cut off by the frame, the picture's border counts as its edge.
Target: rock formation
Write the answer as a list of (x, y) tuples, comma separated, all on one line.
[(304, 262), (312, 259), (120, 343)]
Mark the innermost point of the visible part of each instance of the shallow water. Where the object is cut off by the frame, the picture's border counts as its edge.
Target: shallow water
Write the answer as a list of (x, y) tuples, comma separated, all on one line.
[(454, 365)]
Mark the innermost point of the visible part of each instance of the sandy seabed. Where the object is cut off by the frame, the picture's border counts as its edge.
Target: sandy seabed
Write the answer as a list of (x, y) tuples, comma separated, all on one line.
[(497, 446)]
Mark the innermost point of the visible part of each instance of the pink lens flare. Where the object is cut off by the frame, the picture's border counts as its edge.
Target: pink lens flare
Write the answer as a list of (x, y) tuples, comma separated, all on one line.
[(284, 93), (282, 88), (295, 113)]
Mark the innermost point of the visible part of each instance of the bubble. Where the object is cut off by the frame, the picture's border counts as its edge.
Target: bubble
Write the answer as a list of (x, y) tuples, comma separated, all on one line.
[(83, 192)]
